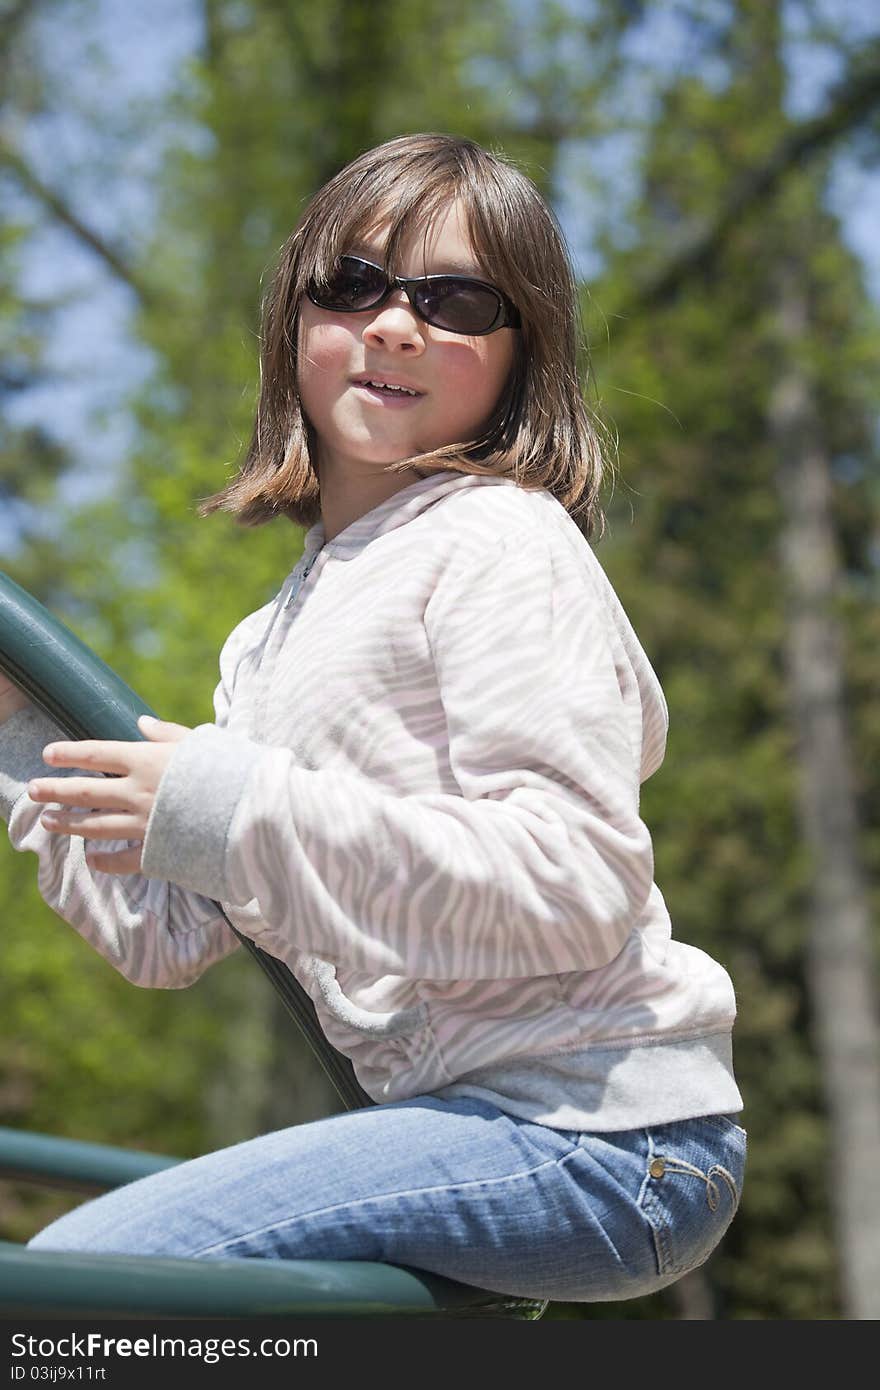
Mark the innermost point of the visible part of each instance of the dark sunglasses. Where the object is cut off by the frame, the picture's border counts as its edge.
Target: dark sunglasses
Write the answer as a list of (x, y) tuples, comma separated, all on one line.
[(457, 303)]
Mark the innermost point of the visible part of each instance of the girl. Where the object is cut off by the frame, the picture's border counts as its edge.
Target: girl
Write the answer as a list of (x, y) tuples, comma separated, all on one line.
[(420, 790)]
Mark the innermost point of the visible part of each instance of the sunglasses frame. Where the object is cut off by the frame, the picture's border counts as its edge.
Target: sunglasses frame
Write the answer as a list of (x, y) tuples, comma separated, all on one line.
[(506, 317)]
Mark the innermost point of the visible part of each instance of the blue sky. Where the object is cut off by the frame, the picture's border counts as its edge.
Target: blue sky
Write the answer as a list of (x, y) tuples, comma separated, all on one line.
[(88, 47), (108, 58)]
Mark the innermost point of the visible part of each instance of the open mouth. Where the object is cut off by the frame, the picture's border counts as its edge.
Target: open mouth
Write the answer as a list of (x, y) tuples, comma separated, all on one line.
[(387, 391)]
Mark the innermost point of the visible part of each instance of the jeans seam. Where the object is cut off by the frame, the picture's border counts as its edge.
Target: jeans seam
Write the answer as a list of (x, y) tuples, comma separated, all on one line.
[(648, 1202), (382, 1197)]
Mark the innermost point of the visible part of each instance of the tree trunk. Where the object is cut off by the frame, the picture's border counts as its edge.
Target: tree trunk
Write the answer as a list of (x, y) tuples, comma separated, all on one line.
[(693, 1297), (841, 968)]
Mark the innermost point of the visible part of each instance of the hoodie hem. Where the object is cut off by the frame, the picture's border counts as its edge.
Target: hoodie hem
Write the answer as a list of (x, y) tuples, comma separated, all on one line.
[(611, 1088)]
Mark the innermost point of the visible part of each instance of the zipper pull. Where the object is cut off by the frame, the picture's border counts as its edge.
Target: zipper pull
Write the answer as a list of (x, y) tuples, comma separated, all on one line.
[(297, 585)]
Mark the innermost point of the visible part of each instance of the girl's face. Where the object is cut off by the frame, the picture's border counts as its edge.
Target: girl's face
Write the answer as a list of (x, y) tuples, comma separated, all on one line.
[(458, 379)]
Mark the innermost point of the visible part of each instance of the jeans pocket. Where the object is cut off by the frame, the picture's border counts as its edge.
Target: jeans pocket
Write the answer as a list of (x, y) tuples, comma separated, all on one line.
[(692, 1189)]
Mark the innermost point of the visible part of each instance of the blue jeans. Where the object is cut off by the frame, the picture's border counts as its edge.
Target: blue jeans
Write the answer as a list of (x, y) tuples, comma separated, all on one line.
[(458, 1188)]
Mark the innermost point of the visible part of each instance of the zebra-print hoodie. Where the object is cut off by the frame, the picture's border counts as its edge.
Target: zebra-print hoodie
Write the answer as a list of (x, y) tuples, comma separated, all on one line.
[(421, 791)]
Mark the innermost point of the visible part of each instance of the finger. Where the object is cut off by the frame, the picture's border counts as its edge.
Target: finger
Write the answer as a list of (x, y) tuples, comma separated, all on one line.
[(125, 861), (160, 730), (103, 755), (93, 793), (92, 825)]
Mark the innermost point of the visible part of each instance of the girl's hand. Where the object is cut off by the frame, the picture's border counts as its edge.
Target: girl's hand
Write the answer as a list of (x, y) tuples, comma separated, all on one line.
[(11, 698), (115, 808)]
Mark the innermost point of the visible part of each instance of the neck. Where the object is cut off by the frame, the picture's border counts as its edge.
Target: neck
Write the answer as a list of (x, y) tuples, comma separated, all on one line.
[(348, 493)]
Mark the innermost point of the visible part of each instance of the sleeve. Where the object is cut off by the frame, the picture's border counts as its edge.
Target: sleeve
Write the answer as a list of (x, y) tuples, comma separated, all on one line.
[(154, 933), (541, 865)]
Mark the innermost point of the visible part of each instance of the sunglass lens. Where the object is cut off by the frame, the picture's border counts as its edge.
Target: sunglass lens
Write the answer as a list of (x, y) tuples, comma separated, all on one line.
[(457, 306), (352, 284)]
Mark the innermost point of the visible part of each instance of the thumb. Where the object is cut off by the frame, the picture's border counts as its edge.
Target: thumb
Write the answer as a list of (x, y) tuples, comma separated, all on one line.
[(160, 731)]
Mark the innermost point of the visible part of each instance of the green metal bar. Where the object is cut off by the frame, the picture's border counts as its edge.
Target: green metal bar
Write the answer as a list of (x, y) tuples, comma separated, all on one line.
[(55, 1284), (72, 1164), (60, 673)]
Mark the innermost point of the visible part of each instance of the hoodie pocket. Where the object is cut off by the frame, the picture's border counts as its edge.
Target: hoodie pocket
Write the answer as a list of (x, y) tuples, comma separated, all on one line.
[(399, 1023)]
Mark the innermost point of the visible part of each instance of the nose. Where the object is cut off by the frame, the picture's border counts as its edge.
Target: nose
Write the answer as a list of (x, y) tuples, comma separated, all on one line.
[(396, 325)]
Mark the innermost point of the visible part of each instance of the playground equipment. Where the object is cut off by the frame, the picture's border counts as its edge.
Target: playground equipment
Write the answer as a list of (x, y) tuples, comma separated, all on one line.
[(86, 699)]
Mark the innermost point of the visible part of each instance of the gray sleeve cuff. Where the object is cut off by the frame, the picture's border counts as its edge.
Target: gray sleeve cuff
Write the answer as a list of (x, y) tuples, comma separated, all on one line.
[(186, 835), (23, 736)]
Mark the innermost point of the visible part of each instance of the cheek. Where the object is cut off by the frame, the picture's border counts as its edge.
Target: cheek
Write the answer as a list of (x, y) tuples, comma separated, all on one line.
[(324, 351), (323, 360), (477, 372)]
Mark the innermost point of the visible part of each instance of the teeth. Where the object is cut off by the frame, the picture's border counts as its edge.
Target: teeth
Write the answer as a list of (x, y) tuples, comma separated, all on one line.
[(386, 386)]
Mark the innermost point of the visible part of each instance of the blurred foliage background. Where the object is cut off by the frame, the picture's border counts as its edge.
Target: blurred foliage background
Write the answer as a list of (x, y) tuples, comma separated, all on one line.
[(693, 152)]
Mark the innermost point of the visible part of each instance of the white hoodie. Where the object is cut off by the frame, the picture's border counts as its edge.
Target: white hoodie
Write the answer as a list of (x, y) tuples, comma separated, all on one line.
[(421, 791)]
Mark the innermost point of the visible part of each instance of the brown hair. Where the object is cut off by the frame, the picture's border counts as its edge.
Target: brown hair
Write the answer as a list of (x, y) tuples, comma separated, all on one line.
[(542, 434)]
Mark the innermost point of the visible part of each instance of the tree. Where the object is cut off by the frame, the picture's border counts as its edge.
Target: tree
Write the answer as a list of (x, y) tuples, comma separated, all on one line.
[(724, 505), (279, 97)]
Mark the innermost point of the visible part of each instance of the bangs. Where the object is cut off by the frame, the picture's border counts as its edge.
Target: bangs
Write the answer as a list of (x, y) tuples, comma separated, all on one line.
[(391, 221), (406, 208)]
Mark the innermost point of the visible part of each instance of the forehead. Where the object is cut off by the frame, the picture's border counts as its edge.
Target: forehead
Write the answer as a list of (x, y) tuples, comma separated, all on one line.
[(440, 240)]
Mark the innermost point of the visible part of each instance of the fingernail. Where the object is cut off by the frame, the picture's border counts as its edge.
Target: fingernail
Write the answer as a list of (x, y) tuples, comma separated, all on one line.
[(147, 719)]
